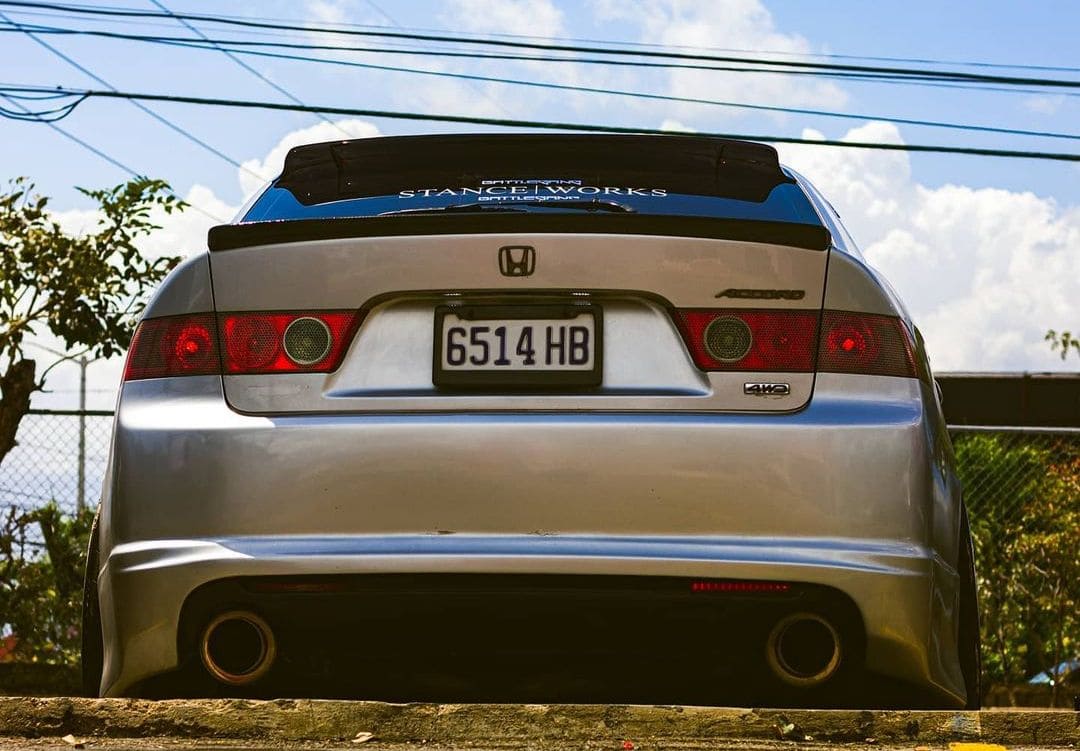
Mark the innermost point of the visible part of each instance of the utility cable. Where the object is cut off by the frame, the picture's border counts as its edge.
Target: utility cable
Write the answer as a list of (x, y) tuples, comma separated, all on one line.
[(546, 124), (219, 45), (102, 155), (250, 23), (648, 45), (929, 81), (475, 87), (161, 119), (232, 56)]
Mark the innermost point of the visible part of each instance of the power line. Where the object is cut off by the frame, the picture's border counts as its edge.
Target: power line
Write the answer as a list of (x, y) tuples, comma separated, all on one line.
[(649, 45), (787, 53), (102, 155), (219, 45), (160, 118), (378, 9), (590, 49), (114, 162), (42, 116), (229, 53), (542, 124), (928, 81)]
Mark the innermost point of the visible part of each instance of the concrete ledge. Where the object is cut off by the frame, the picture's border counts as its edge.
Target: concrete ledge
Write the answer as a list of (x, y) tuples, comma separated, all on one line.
[(515, 724)]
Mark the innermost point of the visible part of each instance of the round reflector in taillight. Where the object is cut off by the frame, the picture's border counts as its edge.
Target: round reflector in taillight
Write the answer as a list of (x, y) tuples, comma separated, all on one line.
[(192, 348), (307, 340), (250, 341), (728, 339)]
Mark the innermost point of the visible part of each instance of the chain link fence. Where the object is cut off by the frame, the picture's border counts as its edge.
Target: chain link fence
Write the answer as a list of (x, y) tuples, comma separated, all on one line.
[(1006, 470), (1022, 489), (60, 456)]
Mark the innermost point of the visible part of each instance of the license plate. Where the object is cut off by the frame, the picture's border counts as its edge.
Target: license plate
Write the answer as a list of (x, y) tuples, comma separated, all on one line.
[(544, 346)]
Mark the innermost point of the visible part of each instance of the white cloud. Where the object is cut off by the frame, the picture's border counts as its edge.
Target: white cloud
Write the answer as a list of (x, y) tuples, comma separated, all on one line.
[(985, 272), (185, 233), (1045, 104), (329, 13), (269, 167), (182, 233), (540, 19), (719, 25), (535, 18), (456, 97), (676, 126)]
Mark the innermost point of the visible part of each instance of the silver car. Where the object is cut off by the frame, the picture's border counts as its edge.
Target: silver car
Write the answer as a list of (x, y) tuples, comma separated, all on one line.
[(585, 398)]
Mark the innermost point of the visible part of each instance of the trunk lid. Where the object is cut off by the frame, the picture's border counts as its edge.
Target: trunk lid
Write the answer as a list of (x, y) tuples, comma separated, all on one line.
[(690, 224)]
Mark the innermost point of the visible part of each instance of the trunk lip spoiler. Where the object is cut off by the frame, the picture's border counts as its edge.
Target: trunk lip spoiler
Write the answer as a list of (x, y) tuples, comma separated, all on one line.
[(282, 231)]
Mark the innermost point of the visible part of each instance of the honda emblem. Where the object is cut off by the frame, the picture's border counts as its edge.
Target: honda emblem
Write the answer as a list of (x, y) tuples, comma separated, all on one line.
[(517, 260)]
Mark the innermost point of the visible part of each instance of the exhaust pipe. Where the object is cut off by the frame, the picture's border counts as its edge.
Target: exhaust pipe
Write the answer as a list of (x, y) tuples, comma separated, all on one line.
[(803, 650), (238, 648)]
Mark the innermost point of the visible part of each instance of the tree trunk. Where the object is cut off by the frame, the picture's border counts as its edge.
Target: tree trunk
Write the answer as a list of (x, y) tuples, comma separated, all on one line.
[(16, 386)]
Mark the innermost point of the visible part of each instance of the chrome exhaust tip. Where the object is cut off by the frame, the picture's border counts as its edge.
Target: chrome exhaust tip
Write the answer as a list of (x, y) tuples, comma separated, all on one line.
[(803, 650), (238, 648)]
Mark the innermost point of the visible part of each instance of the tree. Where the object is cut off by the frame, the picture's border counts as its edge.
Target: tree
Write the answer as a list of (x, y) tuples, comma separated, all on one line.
[(42, 555), (1023, 496), (87, 290), (1065, 340)]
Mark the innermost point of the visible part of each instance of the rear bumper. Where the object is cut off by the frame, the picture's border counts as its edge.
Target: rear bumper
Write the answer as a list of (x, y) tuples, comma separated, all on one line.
[(145, 585), (850, 493)]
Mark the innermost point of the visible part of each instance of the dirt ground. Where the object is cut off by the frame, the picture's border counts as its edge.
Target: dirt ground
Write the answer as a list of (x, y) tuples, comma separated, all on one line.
[(159, 744)]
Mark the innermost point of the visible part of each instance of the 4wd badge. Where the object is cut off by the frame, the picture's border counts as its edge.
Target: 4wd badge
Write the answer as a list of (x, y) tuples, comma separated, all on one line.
[(766, 389)]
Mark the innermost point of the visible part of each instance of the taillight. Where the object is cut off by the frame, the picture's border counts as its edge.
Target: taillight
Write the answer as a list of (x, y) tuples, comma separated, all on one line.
[(285, 342), (173, 346), (755, 340), (865, 343), (788, 341), (239, 343)]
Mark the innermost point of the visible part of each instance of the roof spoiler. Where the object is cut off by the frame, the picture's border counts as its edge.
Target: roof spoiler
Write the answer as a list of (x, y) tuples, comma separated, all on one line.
[(338, 170)]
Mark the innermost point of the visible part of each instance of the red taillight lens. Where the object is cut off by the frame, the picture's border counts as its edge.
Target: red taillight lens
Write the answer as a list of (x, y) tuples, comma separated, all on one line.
[(173, 346), (249, 343), (256, 342), (865, 343), (752, 340)]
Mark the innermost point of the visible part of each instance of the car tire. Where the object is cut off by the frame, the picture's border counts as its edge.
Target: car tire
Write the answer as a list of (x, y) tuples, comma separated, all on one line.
[(968, 640), (93, 648)]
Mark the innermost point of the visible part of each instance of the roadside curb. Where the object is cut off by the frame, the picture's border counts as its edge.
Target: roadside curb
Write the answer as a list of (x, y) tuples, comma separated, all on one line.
[(512, 724)]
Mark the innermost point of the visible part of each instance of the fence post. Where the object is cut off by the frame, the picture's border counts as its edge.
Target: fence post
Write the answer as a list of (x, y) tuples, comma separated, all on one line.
[(81, 494)]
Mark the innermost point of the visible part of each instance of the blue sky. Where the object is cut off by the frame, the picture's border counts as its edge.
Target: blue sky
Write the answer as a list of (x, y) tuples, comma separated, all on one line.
[(1029, 33), (963, 238)]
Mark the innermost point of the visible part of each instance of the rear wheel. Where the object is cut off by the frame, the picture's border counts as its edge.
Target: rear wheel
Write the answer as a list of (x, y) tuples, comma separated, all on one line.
[(93, 650), (968, 642)]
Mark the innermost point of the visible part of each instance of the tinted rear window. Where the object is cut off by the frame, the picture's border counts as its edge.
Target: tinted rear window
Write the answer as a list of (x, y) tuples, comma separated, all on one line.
[(657, 175), (785, 203)]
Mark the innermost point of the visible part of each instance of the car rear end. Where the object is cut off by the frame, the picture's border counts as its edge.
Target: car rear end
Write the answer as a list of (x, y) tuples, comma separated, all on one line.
[(432, 383)]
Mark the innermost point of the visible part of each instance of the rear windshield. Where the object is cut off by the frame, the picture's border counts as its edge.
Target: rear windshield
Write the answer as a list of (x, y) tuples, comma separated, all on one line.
[(658, 175), (784, 203)]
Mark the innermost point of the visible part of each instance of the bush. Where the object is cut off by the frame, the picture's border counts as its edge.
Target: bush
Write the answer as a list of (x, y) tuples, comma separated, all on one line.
[(42, 556), (1024, 503)]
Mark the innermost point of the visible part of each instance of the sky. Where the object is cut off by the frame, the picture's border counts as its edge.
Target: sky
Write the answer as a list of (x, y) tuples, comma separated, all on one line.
[(985, 252)]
